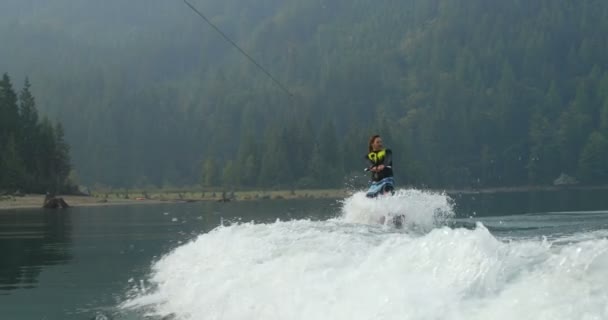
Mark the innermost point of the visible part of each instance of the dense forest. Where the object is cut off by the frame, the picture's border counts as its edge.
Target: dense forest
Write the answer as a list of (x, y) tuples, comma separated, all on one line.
[(35, 156), (472, 93)]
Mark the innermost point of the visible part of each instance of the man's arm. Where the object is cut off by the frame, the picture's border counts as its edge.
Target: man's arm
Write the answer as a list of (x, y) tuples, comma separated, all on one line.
[(371, 166), (387, 162)]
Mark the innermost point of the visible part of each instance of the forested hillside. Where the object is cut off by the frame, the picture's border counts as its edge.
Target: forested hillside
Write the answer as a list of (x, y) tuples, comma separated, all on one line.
[(35, 156), (466, 93)]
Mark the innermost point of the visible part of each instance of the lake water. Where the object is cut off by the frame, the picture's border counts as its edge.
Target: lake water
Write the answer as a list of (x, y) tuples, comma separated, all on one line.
[(541, 255)]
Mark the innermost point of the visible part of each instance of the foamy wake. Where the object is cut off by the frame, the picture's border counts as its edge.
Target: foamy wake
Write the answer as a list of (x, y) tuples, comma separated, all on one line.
[(343, 270), (422, 210)]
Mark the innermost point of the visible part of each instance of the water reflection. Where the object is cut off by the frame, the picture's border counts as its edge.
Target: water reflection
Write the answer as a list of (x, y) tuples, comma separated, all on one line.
[(29, 241)]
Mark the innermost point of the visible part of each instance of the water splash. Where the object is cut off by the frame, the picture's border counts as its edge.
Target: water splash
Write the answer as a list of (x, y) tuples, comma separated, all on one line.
[(423, 210), (352, 267), (342, 270)]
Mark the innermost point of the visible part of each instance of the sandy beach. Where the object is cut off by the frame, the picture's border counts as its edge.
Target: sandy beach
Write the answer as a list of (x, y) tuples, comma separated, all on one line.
[(35, 201)]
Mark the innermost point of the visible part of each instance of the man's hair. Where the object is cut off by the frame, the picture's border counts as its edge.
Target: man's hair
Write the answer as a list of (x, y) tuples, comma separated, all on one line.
[(371, 141)]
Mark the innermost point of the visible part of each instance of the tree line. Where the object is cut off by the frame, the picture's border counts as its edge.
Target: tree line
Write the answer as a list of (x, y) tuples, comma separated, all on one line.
[(35, 155), (471, 93)]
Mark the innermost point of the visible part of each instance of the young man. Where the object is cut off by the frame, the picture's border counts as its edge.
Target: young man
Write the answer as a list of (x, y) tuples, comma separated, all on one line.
[(381, 167)]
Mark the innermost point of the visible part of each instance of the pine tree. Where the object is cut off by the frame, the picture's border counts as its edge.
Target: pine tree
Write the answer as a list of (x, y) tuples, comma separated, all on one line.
[(246, 170), (9, 113), (11, 165), (317, 168), (29, 143), (275, 167), (11, 169), (229, 174), (330, 151), (592, 163), (61, 159), (209, 176)]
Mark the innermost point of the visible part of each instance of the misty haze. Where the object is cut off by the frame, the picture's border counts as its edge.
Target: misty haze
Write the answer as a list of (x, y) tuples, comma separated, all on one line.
[(303, 159)]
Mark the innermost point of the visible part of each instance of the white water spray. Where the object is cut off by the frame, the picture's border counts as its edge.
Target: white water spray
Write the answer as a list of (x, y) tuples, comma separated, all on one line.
[(346, 268), (421, 210)]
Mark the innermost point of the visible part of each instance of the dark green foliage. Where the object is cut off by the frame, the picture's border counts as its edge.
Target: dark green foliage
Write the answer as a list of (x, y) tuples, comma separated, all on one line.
[(34, 157), (594, 157), (467, 93)]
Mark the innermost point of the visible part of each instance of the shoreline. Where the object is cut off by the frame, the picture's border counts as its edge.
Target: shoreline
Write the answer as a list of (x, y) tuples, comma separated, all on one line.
[(34, 201), (521, 189)]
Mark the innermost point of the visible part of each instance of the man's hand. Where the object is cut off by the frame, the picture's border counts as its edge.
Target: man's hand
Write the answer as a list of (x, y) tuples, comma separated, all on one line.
[(380, 168)]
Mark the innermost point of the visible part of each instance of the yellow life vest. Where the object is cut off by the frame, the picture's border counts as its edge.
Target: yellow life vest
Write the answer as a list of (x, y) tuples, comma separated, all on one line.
[(377, 157)]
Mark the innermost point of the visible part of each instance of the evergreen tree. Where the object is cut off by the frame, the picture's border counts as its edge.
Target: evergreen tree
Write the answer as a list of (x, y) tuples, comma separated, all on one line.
[(275, 167), (11, 165), (9, 114), (229, 174), (246, 170), (330, 154), (29, 142), (465, 92), (592, 163), (210, 175), (61, 158)]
